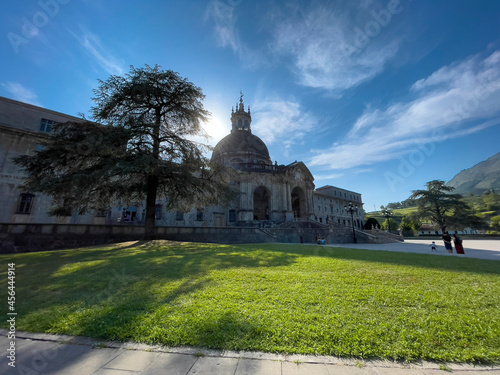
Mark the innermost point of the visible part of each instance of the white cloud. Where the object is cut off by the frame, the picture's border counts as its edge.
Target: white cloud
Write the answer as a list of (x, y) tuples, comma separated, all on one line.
[(336, 48), (21, 93), (281, 121), (331, 46), (454, 101), (332, 176), (101, 54), (225, 18)]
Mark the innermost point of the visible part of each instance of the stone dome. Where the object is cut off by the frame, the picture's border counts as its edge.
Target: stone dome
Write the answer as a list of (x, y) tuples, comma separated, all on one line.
[(241, 146)]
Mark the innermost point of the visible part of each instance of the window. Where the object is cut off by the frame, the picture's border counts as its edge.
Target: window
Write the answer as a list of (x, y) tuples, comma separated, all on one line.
[(39, 147), (46, 125), (101, 213), (25, 203), (158, 211), (232, 216), (199, 215), (179, 215)]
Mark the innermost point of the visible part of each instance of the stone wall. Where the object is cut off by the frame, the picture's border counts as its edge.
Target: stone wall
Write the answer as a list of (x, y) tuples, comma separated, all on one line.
[(19, 237), (39, 237)]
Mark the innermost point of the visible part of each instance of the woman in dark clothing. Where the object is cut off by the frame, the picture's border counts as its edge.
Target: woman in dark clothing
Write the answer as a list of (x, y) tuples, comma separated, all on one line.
[(458, 244), (447, 242)]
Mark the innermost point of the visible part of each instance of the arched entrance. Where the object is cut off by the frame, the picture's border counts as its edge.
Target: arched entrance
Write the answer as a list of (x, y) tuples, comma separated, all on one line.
[(299, 205), (261, 203)]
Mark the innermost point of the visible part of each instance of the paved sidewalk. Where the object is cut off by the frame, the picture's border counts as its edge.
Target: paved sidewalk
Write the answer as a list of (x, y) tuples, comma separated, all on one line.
[(70, 355), (474, 248)]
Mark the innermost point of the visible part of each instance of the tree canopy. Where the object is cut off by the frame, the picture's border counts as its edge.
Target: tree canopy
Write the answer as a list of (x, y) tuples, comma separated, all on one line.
[(371, 223), (137, 149), (437, 204)]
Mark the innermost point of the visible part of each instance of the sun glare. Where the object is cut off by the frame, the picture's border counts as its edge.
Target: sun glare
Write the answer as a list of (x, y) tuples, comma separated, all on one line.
[(216, 130)]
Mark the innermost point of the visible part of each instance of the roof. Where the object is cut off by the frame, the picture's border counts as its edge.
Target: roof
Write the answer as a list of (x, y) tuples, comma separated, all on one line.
[(243, 144)]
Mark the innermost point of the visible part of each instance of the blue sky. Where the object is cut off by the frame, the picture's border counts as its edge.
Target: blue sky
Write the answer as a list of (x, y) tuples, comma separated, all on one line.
[(377, 97)]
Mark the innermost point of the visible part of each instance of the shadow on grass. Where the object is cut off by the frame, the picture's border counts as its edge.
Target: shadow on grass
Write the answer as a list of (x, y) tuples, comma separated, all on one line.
[(110, 291), (103, 292)]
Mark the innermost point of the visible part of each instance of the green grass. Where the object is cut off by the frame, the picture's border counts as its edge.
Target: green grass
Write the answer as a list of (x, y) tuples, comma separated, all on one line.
[(398, 214), (269, 297)]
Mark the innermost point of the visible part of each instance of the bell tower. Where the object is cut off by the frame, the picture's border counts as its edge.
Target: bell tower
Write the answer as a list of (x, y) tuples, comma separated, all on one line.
[(240, 119)]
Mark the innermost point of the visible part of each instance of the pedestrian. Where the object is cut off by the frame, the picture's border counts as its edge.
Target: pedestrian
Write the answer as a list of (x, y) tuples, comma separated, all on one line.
[(447, 242), (433, 246), (458, 243)]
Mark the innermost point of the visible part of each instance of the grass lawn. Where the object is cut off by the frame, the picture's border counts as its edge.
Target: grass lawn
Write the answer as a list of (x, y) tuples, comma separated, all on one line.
[(268, 297)]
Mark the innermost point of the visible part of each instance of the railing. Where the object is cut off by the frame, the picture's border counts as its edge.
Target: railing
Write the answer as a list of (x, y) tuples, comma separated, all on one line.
[(389, 237), (259, 167), (268, 233)]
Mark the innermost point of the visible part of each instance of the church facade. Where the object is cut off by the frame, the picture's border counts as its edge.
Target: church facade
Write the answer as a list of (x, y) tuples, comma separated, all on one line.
[(270, 193)]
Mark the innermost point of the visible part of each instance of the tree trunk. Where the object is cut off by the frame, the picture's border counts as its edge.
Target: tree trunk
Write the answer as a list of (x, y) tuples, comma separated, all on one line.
[(152, 188), (150, 221)]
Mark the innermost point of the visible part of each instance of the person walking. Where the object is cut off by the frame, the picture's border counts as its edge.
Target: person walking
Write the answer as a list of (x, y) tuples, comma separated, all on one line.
[(433, 246), (458, 244), (447, 242)]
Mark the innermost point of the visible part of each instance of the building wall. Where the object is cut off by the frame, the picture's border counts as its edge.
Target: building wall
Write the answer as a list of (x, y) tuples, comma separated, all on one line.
[(21, 133), (330, 203)]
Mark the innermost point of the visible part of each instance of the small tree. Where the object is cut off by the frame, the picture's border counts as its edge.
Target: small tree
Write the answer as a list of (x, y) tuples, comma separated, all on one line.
[(390, 225), (436, 204), (415, 224), (491, 200), (141, 150), (406, 226), (495, 223)]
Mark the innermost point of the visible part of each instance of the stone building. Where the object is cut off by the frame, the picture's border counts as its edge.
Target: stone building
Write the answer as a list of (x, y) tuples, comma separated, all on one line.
[(23, 127), (270, 193)]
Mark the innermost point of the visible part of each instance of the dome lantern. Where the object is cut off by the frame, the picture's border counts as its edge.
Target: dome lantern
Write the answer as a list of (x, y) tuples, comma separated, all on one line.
[(240, 119)]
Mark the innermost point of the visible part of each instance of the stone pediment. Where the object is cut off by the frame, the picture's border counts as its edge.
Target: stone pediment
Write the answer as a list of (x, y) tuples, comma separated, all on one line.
[(300, 171)]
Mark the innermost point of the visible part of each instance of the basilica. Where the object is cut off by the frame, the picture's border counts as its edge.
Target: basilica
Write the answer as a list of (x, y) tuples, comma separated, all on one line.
[(271, 194)]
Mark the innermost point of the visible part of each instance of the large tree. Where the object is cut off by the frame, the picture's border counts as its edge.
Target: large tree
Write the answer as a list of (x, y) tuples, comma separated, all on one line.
[(136, 149), (438, 204)]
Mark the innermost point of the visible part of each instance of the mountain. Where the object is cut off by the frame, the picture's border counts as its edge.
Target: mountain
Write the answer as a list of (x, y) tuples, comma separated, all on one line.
[(481, 177)]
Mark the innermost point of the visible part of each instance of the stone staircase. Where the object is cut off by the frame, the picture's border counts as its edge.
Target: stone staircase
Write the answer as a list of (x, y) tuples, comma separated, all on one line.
[(378, 236)]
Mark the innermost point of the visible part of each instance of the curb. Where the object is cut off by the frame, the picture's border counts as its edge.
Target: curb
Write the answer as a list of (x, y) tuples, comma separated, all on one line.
[(296, 358)]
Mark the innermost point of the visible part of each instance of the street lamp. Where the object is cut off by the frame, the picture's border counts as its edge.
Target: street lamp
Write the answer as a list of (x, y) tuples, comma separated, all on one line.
[(351, 209), (387, 214)]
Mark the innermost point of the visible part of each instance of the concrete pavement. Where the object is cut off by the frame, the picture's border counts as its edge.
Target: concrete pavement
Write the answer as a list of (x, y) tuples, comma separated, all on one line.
[(474, 248), (70, 355)]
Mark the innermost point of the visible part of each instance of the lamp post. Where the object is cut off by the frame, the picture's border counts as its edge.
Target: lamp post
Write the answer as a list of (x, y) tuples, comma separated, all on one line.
[(387, 214), (351, 209)]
